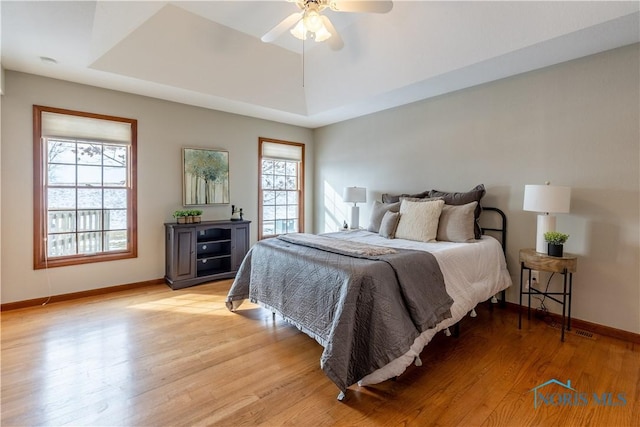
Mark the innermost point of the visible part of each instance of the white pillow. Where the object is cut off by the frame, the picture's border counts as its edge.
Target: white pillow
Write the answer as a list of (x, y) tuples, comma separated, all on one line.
[(419, 220)]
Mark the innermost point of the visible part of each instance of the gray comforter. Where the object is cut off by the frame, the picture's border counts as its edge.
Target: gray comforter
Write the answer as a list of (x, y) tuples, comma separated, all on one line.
[(364, 307)]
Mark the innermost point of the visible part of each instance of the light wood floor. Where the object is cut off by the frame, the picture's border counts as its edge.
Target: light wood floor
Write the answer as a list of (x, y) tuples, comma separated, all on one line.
[(156, 357)]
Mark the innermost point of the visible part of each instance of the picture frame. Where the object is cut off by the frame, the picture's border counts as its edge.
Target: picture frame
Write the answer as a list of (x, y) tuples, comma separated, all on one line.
[(205, 177)]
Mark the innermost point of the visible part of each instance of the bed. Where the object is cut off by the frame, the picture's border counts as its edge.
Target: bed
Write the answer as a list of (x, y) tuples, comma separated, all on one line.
[(374, 300)]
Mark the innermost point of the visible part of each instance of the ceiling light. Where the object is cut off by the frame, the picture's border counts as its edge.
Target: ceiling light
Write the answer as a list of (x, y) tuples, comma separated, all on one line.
[(311, 23), (322, 34), (299, 31)]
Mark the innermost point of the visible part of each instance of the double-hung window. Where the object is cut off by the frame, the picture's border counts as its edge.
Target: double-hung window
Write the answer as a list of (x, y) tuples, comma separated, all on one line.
[(84, 187), (281, 183)]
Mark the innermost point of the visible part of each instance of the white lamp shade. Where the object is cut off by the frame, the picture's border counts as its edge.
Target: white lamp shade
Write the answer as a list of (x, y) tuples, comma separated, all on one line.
[(354, 195), (547, 198)]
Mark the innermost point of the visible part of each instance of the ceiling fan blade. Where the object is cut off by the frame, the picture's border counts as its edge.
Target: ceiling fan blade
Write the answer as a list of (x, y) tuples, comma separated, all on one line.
[(335, 41), (362, 6), (283, 26)]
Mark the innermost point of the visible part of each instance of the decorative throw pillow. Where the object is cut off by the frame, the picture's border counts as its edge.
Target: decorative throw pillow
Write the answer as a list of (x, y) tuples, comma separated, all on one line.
[(456, 223), (474, 195), (377, 212), (394, 198), (389, 224), (419, 220)]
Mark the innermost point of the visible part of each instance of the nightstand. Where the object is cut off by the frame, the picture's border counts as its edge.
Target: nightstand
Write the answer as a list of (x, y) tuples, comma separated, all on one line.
[(566, 265)]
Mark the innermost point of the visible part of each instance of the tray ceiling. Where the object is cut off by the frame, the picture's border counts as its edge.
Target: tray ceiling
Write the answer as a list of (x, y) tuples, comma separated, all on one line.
[(209, 53)]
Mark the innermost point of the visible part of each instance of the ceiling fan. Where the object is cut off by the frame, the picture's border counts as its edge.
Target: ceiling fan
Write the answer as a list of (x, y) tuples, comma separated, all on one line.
[(310, 23)]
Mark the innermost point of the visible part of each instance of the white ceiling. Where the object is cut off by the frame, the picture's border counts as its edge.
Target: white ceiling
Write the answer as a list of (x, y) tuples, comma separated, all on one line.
[(209, 53)]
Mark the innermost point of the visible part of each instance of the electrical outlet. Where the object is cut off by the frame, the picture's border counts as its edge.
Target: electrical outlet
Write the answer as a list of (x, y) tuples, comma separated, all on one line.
[(534, 280), (534, 276)]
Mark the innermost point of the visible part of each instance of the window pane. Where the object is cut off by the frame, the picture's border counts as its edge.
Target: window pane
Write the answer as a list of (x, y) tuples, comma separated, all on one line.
[(268, 198), (62, 221), (61, 244), (61, 198), (89, 243), (90, 154), (115, 198), (115, 240), (267, 167), (269, 212), (89, 198), (90, 175), (292, 168), (115, 177), (267, 182), (292, 183), (90, 220), (61, 152), (62, 175), (292, 197), (281, 197), (279, 167), (280, 183), (292, 211), (281, 226), (292, 226), (115, 219), (115, 155), (268, 228)]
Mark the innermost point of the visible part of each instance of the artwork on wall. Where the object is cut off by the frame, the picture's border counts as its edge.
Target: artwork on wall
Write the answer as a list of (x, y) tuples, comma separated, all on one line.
[(205, 176)]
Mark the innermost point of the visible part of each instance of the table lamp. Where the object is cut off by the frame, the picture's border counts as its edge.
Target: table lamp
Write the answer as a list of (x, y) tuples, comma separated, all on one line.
[(354, 195), (546, 199)]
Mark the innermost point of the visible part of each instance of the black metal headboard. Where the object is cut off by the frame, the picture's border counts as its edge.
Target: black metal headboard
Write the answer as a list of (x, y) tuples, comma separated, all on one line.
[(501, 228)]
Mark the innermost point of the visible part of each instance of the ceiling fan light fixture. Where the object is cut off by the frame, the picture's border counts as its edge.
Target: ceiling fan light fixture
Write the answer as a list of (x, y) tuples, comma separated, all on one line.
[(299, 31), (322, 34), (312, 21)]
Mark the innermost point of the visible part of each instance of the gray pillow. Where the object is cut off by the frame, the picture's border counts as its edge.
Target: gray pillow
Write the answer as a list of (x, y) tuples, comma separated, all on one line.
[(389, 224), (393, 198), (456, 223), (474, 195), (377, 212)]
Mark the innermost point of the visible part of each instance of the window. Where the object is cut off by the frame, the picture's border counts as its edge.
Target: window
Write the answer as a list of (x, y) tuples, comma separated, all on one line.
[(281, 184), (84, 187)]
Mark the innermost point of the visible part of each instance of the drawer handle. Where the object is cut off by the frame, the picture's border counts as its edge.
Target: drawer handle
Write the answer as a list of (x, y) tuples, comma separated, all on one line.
[(204, 247)]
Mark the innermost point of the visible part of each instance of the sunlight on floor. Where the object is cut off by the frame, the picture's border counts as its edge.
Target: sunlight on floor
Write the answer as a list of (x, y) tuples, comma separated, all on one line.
[(186, 303)]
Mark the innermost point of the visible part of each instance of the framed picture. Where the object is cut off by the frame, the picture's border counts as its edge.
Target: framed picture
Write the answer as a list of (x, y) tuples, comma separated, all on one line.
[(205, 177)]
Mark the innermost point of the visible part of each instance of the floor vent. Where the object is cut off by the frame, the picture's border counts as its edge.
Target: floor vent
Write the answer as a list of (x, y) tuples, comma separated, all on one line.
[(582, 333), (574, 331)]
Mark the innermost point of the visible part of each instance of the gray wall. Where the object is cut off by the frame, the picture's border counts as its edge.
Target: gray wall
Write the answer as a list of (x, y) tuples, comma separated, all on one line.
[(574, 124), (164, 128)]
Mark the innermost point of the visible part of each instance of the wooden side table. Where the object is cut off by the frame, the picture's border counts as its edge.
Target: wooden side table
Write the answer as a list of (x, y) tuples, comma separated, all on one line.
[(566, 265)]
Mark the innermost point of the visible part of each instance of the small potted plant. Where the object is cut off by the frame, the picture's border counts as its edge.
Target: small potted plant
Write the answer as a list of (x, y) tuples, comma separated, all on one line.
[(180, 216), (555, 241), (196, 215)]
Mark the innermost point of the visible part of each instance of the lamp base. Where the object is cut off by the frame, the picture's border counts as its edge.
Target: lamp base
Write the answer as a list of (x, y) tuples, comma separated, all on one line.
[(545, 223), (354, 214)]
